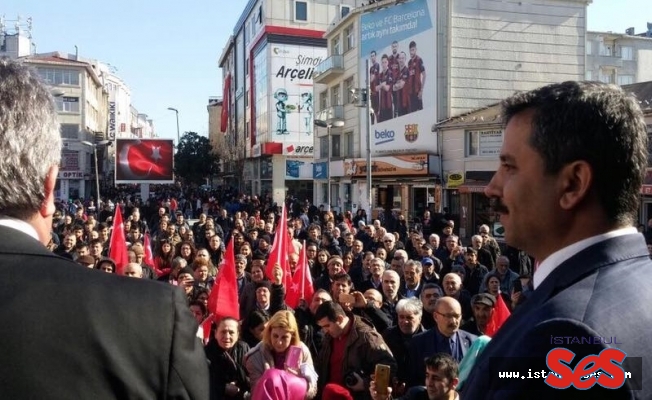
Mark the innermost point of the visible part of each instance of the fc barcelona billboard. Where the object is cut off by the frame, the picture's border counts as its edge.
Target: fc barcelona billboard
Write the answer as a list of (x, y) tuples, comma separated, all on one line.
[(400, 44), (144, 161)]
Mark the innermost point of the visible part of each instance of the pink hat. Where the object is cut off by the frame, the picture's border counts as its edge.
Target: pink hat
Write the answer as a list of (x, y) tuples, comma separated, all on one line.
[(276, 384)]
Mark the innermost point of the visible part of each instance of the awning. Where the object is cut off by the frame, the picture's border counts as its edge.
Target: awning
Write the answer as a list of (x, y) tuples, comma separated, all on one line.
[(475, 187)]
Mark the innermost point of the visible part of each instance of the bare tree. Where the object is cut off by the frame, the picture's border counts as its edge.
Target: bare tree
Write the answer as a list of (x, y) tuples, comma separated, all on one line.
[(232, 157)]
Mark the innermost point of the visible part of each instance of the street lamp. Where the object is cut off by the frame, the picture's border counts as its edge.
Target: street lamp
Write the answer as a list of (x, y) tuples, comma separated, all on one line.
[(362, 97), (56, 92), (97, 171), (177, 113), (328, 124)]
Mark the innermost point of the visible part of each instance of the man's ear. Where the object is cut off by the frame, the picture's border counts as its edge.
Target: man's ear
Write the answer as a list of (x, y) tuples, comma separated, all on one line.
[(47, 206), (454, 383)]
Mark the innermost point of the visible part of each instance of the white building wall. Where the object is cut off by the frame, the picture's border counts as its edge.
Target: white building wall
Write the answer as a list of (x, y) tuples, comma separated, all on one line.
[(497, 48)]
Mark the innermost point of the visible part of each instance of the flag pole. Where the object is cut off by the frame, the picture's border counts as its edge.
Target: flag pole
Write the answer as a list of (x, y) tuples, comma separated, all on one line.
[(305, 267), (280, 237)]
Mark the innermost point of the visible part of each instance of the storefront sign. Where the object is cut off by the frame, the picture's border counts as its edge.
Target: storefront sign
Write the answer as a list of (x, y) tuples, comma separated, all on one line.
[(454, 180), (70, 175), (320, 170), (256, 150), (298, 150), (111, 120), (414, 165), (490, 143)]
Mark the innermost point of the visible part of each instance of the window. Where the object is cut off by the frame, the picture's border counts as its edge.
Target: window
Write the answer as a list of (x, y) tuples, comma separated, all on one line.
[(247, 31), (589, 75), (348, 86), (67, 104), (349, 38), (344, 11), (246, 100), (323, 147), (625, 79), (336, 46), (246, 67), (606, 77), (347, 151), (324, 193), (605, 50), (336, 98), (627, 53), (56, 76), (484, 143), (335, 139), (69, 131), (301, 11), (589, 47), (323, 100)]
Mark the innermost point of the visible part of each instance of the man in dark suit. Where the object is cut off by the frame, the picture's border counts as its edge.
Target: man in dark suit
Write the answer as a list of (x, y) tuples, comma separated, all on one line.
[(67, 331), (577, 154), (445, 337)]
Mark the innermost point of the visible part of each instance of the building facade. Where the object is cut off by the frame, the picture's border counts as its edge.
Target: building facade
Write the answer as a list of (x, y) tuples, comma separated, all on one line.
[(267, 66), (82, 105), (619, 58), (218, 141), (466, 54)]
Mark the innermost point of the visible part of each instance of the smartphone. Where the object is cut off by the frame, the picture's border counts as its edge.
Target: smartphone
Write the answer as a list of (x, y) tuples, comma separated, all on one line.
[(347, 298), (293, 358), (381, 377), (518, 285)]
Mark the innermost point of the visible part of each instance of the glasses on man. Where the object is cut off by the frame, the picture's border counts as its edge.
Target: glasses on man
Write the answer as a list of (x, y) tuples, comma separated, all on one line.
[(450, 315)]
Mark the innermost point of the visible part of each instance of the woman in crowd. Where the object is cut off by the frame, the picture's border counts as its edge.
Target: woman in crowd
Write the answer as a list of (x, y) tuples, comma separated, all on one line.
[(492, 283), (164, 256), (228, 377), (187, 251), (280, 333), (253, 327)]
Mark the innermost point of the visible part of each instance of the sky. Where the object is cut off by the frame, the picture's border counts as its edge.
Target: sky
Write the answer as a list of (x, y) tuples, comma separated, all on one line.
[(167, 51)]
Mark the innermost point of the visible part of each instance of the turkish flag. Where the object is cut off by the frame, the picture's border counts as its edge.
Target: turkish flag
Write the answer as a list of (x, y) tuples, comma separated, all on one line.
[(498, 316), (118, 243), (149, 256), (144, 161), (301, 287), (223, 299), (280, 250)]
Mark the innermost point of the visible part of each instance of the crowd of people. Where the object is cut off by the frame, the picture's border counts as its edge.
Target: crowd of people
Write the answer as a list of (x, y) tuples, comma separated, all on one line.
[(396, 297), (395, 311)]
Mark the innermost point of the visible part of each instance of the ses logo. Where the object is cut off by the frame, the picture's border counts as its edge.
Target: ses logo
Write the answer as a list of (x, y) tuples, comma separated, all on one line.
[(604, 369), (384, 136)]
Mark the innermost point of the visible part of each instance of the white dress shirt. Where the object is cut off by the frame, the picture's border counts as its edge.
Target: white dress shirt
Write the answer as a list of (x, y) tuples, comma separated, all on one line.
[(19, 225), (557, 258)]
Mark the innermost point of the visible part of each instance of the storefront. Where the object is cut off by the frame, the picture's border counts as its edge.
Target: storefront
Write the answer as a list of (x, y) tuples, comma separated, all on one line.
[(406, 184)]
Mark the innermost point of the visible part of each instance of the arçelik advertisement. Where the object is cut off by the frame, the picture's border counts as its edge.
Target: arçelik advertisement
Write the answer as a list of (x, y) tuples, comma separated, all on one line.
[(400, 44), (291, 101)]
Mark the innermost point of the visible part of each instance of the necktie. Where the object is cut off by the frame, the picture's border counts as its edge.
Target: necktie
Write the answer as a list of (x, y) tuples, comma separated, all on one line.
[(453, 349)]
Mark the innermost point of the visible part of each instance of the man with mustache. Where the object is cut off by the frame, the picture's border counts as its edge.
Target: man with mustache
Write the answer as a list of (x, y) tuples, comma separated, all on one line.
[(446, 337), (572, 164)]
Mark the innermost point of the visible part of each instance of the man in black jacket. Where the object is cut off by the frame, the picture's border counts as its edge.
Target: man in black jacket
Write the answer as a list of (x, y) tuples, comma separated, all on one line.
[(84, 333)]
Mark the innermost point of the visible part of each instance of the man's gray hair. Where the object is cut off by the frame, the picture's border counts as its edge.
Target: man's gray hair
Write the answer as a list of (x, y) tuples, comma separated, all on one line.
[(416, 264), (30, 141), (412, 305)]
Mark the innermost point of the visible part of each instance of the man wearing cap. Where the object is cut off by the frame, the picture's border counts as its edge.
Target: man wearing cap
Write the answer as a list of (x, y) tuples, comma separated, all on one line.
[(86, 261), (334, 266), (475, 271), (483, 306)]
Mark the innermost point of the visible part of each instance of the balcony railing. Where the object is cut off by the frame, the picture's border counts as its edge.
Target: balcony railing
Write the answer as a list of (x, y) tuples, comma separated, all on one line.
[(330, 113), (328, 69)]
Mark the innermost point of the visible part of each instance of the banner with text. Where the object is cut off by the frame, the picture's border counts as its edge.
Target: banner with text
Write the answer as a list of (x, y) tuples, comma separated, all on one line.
[(399, 42), (291, 99)]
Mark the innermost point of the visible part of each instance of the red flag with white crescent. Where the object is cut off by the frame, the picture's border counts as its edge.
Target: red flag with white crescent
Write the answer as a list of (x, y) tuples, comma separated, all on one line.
[(223, 299), (148, 160), (118, 243)]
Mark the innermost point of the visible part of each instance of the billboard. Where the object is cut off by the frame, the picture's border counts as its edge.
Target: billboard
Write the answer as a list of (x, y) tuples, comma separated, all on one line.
[(144, 161), (399, 42), (291, 98), (297, 168)]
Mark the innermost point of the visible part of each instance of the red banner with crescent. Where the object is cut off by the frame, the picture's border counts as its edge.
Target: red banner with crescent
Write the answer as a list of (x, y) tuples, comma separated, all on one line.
[(226, 101), (144, 161)]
